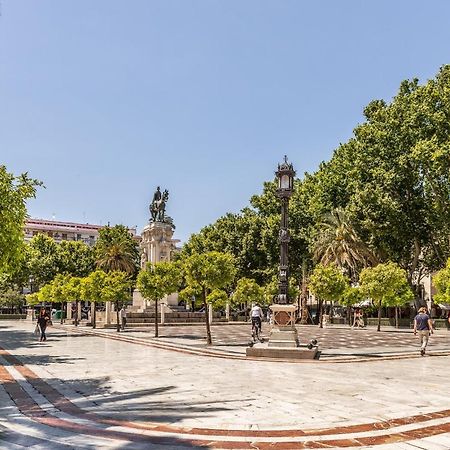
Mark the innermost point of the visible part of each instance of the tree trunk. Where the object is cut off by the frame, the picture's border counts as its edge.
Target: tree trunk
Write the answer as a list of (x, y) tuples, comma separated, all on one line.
[(379, 317), (349, 315), (76, 313), (94, 317), (208, 328), (320, 313), (156, 319), (62, 313), (396, 317), (117, 316)]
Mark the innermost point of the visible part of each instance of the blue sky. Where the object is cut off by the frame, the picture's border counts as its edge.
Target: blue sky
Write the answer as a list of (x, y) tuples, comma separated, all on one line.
[(104, 100)]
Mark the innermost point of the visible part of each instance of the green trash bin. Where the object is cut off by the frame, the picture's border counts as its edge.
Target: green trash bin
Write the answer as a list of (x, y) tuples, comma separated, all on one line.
[(58, 314)]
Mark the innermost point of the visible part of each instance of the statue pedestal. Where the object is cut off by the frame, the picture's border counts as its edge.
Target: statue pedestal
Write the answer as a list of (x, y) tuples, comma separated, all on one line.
[(283, 341), (157, 245)]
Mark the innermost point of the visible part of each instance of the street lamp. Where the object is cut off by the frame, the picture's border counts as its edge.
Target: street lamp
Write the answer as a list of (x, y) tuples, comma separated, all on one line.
[(285, 175)]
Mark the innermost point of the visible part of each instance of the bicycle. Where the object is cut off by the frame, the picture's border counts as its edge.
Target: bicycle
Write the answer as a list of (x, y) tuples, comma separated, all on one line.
[(256, 331)]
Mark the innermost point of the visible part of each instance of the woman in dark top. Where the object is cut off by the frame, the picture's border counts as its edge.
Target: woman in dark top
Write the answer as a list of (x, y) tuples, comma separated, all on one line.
[(42, 322)]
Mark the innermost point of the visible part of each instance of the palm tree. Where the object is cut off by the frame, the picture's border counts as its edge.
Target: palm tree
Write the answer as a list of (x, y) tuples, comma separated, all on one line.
[(116, 256), (337, 242)]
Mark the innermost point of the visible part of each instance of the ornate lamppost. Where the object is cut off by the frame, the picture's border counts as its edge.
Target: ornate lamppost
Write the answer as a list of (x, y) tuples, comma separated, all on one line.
[(285, 175), (283, 339)]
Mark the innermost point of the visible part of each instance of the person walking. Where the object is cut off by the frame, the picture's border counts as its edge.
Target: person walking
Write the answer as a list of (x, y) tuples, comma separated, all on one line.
[(43, 320), (423, 327), (123, 317)]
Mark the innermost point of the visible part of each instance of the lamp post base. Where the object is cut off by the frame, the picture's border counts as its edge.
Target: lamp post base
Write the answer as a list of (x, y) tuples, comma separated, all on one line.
[(283, 340)]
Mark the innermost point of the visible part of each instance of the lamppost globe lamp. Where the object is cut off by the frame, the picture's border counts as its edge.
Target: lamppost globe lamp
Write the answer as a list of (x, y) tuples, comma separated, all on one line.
[(285, 175)]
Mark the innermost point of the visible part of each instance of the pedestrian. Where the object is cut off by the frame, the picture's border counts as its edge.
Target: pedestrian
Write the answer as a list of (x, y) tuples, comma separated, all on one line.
[(358, 320), (424, 327), (43, 321), (123, 317), (269, 316)]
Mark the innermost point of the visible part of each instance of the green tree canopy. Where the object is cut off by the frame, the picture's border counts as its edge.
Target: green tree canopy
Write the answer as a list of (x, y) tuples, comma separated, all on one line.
[(116, 250), (209, 271), (158, 280), (42, 260), (248, 291), (14, 192), (386, 284), (116, 288), (327, 283), (76, 258), (441, 281)]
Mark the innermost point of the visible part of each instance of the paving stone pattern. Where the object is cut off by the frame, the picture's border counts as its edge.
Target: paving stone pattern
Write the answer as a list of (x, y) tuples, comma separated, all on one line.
[(128, 390)]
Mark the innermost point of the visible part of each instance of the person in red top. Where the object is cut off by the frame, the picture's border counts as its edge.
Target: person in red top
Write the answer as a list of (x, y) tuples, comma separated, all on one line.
[(423, 326)]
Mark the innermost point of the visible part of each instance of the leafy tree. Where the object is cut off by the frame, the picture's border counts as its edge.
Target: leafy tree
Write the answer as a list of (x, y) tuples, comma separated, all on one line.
[(217, 298), (248, 291), (32, 299), (76, 258), (393, 177), (71, 291), (42, 258), (116, 289), (92, 290), (14, 192), (58, 291), (352, 296), (210, 271), (386, 284), (11, 299), (327, 283), (441, 281), (158, 280), (337, 242), (116, 250), (45, 294)]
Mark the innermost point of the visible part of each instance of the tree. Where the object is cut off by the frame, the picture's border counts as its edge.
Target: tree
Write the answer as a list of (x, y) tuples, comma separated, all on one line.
[(71, 291), (12, 300), (92, 290), (14, 192), (209, 271), (45, 294), (351, 296), (42, 259), (386, 284), (327, 283), (441, 281), (116, 250), (75, 258), (116, 289), (248, 291), (58, 291), (337, 242), (156, 281)]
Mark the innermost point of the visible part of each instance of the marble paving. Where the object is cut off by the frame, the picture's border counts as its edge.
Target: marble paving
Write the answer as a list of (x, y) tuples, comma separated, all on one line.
[(127, 390)]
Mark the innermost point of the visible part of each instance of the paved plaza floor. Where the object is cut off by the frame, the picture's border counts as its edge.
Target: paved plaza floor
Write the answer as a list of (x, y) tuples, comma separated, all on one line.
[(85, 389)]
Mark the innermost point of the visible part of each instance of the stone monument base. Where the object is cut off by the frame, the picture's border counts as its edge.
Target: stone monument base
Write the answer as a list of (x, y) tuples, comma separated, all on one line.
[(283, 340)]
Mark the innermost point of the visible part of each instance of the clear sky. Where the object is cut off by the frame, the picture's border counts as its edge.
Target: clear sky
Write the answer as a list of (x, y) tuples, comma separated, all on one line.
[(103, 100)]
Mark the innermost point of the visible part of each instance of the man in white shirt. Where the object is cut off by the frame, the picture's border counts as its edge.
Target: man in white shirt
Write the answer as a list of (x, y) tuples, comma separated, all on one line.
[(256, 314)]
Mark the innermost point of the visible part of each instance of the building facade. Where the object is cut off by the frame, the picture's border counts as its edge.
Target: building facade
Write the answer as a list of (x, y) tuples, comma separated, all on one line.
[(66, 231)]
